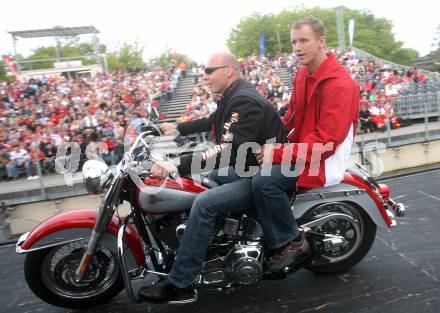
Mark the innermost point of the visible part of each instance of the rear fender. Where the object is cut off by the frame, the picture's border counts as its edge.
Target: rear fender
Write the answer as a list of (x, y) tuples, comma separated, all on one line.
[(344, 192), (77, 225)]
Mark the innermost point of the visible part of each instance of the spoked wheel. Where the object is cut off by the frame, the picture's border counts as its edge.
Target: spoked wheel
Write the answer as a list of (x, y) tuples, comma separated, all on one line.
[(50, 273), (359, 237)]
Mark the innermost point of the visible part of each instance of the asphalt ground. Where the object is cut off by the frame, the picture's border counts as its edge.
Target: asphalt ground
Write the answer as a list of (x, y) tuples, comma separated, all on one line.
[(401, 273)]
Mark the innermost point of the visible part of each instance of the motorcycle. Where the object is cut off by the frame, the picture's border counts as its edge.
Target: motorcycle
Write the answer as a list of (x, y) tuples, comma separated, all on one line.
[(83, 258)]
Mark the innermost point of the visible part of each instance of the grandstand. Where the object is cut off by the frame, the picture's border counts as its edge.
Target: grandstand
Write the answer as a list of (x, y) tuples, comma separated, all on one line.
[(413, 93), (38, 113), (173, 110)]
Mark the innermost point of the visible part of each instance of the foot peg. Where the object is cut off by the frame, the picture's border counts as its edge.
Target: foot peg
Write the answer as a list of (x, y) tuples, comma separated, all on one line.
[(186, 300)]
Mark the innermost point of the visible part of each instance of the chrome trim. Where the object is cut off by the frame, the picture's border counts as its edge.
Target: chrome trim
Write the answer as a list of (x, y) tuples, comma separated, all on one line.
[(137, 273), (310, 196), (107, 208), (156, 273), (123, 263), (392, 218), (20, 241), (318, 222), (125, 274), (19, 250), (96, 176), (155, 246), (192, 300), (400, 209), (332, 241), (180, 230)]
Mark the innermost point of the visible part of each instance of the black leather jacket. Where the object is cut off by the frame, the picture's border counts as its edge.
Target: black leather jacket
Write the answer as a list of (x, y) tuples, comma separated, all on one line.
[(242, 116)]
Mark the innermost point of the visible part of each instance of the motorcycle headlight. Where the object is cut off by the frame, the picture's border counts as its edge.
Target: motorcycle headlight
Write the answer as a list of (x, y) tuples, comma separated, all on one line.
[(96, 175)]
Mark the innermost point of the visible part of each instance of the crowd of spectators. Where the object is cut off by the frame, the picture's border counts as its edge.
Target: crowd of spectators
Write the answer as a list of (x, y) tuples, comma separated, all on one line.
[(380, 84), (38, 115), (261, 72)]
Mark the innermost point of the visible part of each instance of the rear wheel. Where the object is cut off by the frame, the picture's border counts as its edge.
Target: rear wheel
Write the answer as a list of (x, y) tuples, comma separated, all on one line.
[(50, 275), (359, 237)]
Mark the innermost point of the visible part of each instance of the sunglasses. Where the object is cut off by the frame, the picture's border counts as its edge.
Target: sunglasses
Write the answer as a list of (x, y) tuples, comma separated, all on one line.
[(210, 70)]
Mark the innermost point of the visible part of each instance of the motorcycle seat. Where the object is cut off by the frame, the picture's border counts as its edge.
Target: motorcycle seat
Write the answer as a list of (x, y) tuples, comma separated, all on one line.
[(300, 190)]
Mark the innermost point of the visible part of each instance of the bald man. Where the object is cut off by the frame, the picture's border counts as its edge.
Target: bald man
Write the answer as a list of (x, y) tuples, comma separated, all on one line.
[(242, 117)]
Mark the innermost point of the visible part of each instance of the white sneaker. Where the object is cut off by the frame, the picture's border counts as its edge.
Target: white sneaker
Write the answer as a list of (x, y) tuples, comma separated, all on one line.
[(35, 177), (30, 178)]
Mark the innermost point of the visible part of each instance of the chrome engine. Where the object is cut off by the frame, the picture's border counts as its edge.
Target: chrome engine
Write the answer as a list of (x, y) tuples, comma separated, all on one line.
[(240, 263), (244, 263)]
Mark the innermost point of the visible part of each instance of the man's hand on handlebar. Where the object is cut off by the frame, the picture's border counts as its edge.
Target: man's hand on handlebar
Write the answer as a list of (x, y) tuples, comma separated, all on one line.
[(162, 169), (168, 128)]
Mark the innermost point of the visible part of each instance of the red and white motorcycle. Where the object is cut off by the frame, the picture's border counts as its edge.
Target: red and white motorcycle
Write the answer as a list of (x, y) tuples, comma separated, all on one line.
[(85, 257)]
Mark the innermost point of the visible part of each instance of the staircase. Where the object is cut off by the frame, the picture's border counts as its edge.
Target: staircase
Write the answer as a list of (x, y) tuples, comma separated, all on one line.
[(177, 105), (182, 97), (285, 77)]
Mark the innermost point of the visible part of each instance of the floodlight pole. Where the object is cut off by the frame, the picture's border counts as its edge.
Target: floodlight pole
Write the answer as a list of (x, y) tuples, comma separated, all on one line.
[(14, 44), (340, 26), (96, 52), (58, 48)]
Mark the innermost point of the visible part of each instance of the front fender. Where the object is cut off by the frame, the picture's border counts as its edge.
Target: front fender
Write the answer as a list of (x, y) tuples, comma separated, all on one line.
[(72, 225)]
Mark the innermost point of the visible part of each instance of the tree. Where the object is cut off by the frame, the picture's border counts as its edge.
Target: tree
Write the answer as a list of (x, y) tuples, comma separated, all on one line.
[(372, 34), (72, 48), (128, 57), (375, 36), (3, 75), (168, 57)]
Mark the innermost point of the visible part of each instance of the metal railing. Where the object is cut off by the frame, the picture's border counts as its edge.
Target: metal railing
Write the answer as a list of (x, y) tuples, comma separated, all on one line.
[(422, 112), (417, 106)]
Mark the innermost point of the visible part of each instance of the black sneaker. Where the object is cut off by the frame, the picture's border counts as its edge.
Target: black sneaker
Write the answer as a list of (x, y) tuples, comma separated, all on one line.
[(163, 291), (293, 253)]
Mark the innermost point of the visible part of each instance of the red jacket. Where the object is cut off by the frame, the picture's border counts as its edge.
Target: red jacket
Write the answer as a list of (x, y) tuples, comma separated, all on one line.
[(320, 129)]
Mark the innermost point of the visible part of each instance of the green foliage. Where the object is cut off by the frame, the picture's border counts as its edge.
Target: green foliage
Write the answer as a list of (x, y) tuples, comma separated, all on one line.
[(168, 57), (375, 36), (3, 75), (372, 34), (69, 47), (128, 57)]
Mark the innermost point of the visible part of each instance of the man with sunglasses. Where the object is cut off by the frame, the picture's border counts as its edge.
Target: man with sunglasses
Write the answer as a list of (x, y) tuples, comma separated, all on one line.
[(242, 117)]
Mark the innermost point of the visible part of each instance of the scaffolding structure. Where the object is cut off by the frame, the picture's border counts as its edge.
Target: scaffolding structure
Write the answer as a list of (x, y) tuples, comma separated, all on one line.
[(57, 32)]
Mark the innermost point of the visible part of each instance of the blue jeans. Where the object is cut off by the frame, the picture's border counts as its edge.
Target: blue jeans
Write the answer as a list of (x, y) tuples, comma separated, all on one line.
[(234, 194), (273, 208), (13, 168)]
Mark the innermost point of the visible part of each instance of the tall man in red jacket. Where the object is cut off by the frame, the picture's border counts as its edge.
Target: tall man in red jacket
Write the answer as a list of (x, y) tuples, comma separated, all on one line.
[(321, 123)]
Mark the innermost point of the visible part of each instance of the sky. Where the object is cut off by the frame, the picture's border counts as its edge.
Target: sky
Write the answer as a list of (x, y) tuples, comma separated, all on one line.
[(195, 28)]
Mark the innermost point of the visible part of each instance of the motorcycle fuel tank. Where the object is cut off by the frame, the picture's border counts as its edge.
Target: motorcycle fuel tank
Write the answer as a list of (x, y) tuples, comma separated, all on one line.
[(162, 196)]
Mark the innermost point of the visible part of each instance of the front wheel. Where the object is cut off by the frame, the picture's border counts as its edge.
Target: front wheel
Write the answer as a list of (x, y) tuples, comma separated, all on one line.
[(359, 237), (50, 275)]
